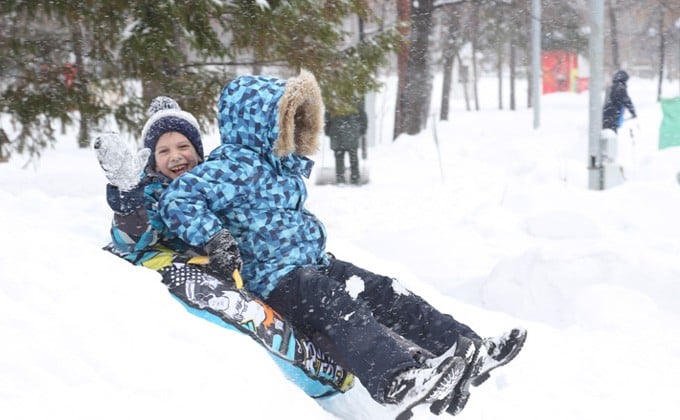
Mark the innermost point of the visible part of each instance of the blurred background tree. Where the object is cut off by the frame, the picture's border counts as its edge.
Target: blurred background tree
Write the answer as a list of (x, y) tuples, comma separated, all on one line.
[(64, 62), (93, 63)]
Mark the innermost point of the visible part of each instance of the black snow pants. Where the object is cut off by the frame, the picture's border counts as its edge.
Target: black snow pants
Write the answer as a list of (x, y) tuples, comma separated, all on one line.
[(357, 313)]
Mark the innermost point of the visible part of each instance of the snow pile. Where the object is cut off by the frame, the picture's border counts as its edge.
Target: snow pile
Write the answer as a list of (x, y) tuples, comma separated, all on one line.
[(495, 226)]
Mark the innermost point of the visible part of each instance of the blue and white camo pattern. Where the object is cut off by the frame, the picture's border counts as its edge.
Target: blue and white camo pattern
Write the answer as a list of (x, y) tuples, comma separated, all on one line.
[(245, 188)]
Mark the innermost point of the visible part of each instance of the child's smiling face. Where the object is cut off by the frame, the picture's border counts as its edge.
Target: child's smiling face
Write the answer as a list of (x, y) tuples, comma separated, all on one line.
[(175, 155)]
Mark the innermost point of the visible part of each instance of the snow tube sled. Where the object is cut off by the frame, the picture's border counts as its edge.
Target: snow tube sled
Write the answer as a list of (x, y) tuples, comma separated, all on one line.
[(221, 302)]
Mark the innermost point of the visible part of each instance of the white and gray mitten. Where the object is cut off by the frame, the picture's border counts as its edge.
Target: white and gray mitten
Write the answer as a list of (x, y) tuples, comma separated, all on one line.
[(121, 165)]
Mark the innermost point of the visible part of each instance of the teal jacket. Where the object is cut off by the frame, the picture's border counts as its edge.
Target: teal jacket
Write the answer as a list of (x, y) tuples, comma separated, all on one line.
[(138, 233)]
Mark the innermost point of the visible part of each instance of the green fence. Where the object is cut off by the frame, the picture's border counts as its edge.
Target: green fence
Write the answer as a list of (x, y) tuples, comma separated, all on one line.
[(669, 133)]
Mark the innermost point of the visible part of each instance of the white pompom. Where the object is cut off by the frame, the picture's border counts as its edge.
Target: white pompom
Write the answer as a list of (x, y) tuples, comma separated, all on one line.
[(160, 103)]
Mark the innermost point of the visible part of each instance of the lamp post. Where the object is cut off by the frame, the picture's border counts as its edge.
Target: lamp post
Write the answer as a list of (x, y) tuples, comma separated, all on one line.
[(536, 75), (596, 173)]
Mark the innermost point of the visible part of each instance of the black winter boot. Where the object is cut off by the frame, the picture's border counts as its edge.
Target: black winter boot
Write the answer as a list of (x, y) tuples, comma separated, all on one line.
[(500, 351), (492, 353), (468, 351), (435, 379)]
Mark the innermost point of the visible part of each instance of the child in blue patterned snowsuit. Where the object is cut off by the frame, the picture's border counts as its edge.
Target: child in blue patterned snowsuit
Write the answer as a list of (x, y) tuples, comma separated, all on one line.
[(173, 146), (252, 187)]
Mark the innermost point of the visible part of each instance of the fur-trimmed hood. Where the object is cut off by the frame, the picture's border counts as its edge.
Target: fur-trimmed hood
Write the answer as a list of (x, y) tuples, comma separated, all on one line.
[(272, 115)]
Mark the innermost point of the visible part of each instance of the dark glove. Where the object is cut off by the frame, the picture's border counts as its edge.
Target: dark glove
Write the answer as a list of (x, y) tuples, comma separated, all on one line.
[(125, 202), (224, 254)]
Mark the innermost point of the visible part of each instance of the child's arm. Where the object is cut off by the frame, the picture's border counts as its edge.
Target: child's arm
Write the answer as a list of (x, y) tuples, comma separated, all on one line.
[(187, 208), (130, 230)]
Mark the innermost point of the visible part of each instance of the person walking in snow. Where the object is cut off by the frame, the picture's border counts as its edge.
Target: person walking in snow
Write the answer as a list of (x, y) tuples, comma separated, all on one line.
[(250, 191), (345, 131), (616, 103), (172, 147)]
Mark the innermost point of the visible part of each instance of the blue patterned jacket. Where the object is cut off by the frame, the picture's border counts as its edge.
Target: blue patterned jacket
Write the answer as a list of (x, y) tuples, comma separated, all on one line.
[(252, 183), (138, 233)]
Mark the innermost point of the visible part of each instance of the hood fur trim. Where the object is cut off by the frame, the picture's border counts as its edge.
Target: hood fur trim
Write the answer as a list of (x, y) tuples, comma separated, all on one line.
[(300, 116)]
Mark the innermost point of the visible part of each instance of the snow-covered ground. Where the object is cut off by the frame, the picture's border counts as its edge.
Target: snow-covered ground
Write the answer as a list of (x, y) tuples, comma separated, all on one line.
[(497, 227)]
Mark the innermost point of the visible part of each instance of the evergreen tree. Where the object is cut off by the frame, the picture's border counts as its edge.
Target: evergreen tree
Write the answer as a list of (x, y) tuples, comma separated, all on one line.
[(309, 34), (110, 58)]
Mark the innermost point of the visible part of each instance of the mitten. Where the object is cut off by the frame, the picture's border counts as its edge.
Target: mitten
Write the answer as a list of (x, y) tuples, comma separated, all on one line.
[(224, 254), (121, 165)]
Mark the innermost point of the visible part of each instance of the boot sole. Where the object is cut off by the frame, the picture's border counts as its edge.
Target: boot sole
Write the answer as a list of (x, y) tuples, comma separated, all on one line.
[(480, 379), (460, 398), (461, 389), (444, 386)]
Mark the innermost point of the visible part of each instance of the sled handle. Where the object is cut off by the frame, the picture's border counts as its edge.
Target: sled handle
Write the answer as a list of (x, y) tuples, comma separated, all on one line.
[(236, 275), (203, 260)]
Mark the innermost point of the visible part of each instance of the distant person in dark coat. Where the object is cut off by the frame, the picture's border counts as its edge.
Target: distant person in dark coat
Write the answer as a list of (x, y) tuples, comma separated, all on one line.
[(345, 132), (617, 100)]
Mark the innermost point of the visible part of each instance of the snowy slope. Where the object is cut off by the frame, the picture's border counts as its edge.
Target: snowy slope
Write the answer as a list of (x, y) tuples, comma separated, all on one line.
[(496, 227)]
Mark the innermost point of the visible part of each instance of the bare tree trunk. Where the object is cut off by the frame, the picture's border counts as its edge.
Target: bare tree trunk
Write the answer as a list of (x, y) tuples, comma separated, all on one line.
[(529, 90), (475, 37), (419, 80), (80, 85), (446, 87), (614, 36), (449, 55), (257, 66), (464, 79), (4, 143), (404, 15), (662, 53), (528, 53), (499, 69), (513, 59)]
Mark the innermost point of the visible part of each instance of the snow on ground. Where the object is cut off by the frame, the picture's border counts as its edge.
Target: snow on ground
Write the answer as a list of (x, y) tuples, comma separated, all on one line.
[(494, 223)]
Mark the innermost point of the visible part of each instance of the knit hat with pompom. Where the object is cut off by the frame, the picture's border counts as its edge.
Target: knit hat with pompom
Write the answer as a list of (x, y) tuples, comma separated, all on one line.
[(166, 116)]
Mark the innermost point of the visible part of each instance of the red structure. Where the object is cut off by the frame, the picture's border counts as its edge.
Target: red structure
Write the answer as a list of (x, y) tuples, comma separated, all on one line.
[(69, 74), (560, 72)]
